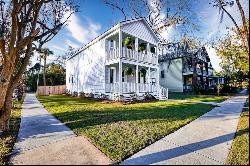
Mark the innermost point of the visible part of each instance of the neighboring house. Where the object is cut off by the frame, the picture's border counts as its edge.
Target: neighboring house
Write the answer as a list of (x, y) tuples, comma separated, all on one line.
[(177, 74), (102, 65)]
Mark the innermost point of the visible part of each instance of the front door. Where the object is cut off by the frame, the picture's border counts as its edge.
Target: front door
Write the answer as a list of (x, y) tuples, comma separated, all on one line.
[(112, 76)]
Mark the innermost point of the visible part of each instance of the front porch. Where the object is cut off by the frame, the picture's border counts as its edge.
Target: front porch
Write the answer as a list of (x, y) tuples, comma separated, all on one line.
[(130, 87), (128, 78)]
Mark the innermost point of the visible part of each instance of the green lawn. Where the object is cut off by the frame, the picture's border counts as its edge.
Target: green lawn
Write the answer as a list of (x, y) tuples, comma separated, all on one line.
[(7, 141), (239, 153), (121, 130), (198, 98)]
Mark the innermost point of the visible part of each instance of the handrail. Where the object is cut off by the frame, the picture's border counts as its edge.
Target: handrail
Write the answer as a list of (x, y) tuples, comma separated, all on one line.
[(163, 92), (132, 55), (130, 87)]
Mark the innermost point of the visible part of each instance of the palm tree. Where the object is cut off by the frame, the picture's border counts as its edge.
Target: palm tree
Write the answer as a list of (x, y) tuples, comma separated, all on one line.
[(44, 53)]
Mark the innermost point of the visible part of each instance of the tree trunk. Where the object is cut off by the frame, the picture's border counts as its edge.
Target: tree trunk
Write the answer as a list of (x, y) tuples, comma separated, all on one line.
[(5, 77), (194, 78), (243, 18), (6, 110), (44, 72), (202, 81), (38, 74)]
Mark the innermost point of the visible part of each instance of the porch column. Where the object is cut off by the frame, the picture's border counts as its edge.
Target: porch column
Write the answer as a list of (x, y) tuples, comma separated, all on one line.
[(148, 53), (136, 79), (120, 62), (136, 44), (148, 47), (120, 43), (149, 75), (157, 79), (120, 77), (149, 85)]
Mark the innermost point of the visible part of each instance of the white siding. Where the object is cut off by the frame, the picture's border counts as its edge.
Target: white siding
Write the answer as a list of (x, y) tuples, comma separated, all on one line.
[(173, 76), (88, 69), (141, 30)]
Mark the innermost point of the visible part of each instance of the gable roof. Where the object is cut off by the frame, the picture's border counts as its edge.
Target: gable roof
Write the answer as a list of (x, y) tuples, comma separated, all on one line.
[(113, 28), (145, 22)]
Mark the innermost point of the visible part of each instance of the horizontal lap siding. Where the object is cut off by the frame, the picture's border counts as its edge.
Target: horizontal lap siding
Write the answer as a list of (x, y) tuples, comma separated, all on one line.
[(173, 76), (88, 68)]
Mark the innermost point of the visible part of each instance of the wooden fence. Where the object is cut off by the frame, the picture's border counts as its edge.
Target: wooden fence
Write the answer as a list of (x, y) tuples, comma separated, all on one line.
[(51, 90)]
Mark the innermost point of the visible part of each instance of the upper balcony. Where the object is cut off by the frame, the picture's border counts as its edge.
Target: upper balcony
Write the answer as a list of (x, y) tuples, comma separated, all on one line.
[(189, 71), (131, 49), (131, 55)]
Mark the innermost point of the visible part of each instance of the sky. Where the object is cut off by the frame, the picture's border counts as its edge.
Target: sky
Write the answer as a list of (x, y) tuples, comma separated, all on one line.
[(95, 18)]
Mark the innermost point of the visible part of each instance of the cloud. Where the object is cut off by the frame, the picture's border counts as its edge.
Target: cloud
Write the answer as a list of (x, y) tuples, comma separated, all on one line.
[(215, 59), (82, 33), (210, 17), (168, 33), (72, 44), (58, 48)]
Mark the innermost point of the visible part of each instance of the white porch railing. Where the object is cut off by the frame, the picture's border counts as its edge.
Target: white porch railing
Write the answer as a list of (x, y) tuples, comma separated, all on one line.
[(129, 87), (132, 55), (147, 88), (112, 54), (114, 87)]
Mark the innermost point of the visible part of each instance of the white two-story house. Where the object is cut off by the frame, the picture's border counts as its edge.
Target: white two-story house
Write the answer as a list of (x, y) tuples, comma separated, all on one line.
[(122, 60)]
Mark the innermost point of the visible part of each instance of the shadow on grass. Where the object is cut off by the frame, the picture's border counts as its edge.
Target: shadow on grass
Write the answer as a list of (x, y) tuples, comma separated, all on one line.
[(96, 113), (121, 130)]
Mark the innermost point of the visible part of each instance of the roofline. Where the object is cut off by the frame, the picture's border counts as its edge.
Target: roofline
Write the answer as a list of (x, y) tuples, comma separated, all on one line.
[(113, 28), (147, 24)]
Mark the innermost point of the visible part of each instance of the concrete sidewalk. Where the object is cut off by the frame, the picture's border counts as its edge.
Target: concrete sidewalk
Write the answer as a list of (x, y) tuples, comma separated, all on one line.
[(42, 139), (205, 141)]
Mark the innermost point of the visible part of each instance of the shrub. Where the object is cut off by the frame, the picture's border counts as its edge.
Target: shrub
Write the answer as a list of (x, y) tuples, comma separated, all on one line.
[(82, 94), (89, 95), (128, 70), (103, 96), (118, 97), (67, 92), (142, 47), (134, 97), (147, 97), (74, 94), (127, 42), (228, 89), (198, 89)]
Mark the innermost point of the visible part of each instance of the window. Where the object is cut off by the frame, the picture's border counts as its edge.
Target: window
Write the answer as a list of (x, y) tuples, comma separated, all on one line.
[(72, 79), (123, 76), (162, 74), (69, 79), (139, 77), (111, 46), (111, 76)]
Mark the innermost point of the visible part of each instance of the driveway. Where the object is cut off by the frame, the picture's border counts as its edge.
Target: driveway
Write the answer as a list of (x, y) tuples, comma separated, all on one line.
[(43, 139)]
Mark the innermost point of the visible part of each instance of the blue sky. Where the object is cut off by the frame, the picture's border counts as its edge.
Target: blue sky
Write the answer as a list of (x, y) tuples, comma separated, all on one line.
[(94, 18)]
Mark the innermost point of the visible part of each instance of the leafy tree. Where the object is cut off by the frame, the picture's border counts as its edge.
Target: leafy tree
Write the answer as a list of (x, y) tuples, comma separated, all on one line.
[(235, 59), (55, 75), (25, 26), (44, 53), (241, 30)]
